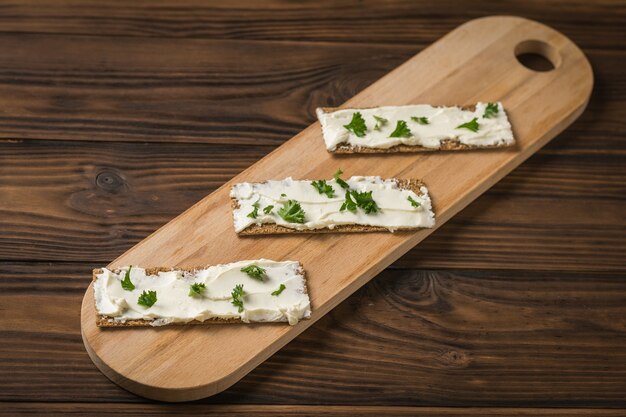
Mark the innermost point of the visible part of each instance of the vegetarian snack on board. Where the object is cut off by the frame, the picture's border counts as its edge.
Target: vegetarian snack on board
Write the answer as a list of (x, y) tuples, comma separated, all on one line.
[(358, 204), (415, 128), (246, 291)]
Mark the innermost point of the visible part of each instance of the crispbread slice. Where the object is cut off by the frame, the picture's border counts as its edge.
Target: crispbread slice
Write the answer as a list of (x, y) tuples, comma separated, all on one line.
[(106, 321), (274, 229), (446, 144)]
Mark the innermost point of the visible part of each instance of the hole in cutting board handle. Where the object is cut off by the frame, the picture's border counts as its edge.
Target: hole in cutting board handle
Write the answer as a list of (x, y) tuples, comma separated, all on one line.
[(537, 55)]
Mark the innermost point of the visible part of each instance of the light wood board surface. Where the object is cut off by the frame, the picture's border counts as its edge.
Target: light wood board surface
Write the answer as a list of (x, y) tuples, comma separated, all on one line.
[(475, 62)]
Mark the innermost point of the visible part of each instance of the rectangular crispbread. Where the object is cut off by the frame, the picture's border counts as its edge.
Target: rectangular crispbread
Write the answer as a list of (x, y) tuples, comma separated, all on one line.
[(106, 321), (446, 144), (274, 229)]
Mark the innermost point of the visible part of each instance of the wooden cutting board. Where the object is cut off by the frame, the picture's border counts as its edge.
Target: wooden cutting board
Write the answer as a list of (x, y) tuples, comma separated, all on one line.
[(475, 62)]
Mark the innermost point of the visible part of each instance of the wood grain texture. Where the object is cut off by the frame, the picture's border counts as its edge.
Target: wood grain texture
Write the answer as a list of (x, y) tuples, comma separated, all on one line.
[(546, 104), (369, 21), (418, 338), (50, 364), (108, 197), (188, 410), (149, 90)]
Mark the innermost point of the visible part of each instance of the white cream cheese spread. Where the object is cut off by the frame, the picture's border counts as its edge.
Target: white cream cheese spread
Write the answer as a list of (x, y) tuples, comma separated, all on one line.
[(279, 296), (429, 126), (397, 208)]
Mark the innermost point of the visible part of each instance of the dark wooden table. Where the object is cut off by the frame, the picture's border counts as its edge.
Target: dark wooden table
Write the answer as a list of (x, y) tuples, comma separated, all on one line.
[(115, 117)]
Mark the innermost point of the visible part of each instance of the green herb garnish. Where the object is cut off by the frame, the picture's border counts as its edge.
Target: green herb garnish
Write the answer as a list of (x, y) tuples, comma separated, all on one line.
[(357, 125), (362, 200), (491, 110), (292, 212), (268, 209), (254, 213), (238, 295), (279, 290), (365, 201), (402, 130), (471, 125), (348, 204), (380, 122), (339, 181), (421, 120), (196, 289), (283, 195), (147, 298), (254, 271), (413, 202), (323, 188), (126, 282)]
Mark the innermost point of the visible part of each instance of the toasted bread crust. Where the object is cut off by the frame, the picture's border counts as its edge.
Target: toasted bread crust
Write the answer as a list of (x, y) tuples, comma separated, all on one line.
[(446, 144), (274, 229), (106, 321)]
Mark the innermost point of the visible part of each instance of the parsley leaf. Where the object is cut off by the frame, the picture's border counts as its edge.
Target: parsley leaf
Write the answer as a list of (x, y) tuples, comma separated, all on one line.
[(254, 213), (471, 125), (362, 200), (402, 131), (279, 290), (238, 295), (421, 120), (147, 298), (292, 212), (491, 110), (365, 201), (348, 204), (127, 283), (196, 289), (268, 209), (283, 195), (324, 188), (380, 122), (413, 202), (339, 181), (254, 271), (357, 125)]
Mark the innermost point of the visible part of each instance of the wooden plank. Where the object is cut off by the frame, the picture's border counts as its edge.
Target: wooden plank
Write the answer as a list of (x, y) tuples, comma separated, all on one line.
[(121, 192), (90, 88), (103, 197), (421, 338), (591, 25), (185, 410)]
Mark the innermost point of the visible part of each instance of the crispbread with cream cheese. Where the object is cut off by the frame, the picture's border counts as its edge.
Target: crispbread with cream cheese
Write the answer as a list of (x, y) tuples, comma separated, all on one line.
[(108, 321), (270, 228), (446, 144)]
